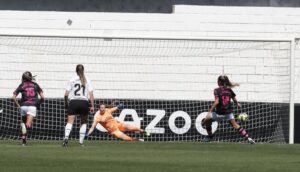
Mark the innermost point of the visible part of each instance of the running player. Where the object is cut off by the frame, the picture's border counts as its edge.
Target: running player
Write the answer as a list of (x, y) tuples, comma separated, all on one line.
[(79, 91), (222, 108), (29, 102), (114, 127)]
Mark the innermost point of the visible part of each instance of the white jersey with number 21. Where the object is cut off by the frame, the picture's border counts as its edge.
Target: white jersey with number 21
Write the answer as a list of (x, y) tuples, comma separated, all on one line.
[(78, 91)]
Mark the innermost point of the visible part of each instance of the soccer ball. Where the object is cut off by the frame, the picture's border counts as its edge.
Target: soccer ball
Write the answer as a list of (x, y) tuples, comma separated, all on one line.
[(242, 117)]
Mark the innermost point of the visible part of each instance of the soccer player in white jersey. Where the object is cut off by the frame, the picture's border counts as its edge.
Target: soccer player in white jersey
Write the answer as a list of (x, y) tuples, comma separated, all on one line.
[(78, 93)]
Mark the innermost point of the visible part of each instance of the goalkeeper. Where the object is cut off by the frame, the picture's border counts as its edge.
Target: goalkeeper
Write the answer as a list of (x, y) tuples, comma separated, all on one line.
[(114, 127)]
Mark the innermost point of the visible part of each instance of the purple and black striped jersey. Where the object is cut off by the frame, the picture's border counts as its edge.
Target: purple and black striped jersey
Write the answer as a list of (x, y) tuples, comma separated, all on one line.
[(29, 91), (224, 95)]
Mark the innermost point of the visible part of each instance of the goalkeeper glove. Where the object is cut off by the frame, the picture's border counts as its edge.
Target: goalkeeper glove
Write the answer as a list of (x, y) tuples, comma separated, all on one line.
[(120, 106)]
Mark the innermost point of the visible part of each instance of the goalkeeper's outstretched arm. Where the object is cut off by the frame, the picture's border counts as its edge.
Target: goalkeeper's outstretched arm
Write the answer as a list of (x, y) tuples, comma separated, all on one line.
[(116, 108), (92, 127)]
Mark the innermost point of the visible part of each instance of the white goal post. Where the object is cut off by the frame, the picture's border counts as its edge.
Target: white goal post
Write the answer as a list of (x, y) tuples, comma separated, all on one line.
[(155, 76)]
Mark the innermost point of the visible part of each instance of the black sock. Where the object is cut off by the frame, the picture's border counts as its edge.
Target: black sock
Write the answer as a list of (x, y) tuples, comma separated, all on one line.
[(209, 131)]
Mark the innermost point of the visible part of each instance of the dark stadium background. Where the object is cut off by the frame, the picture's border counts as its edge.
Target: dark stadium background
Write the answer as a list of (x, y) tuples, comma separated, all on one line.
[(132, 6), (297, 123)]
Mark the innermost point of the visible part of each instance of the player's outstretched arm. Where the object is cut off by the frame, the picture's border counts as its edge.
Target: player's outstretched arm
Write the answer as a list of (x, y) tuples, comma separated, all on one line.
[(119, 107)]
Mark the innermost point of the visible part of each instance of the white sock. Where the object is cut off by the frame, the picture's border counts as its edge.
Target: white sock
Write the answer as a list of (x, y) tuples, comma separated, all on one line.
[(82, 132), (68, 129), (23, 128)]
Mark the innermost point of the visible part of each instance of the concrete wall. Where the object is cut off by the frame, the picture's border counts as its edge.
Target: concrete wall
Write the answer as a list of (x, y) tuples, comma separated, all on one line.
[(186, 21)]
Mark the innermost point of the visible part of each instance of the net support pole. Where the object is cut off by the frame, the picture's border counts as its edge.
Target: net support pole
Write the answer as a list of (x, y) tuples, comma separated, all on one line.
[(292, 92)]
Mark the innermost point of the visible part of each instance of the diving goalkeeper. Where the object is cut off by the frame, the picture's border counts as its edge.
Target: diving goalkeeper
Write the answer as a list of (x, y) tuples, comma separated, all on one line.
[(105, 118)]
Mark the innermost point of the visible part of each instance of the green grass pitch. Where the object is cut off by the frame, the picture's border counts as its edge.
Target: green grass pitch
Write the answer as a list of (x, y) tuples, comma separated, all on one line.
[(104, 156)]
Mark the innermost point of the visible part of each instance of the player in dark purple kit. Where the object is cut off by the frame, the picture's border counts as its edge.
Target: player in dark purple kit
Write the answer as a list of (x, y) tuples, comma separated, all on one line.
[(222, 108), (29, 102)]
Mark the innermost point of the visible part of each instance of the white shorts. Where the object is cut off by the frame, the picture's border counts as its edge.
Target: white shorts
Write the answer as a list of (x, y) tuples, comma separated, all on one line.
[(28, 110), (217, 117)]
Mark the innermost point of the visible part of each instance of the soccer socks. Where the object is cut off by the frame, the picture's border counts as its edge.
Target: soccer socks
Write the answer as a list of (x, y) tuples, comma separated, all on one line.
[(23, 129), (82, 132), (209, 131), (243, 132), (24, 132), (68, 129), (29, 126)]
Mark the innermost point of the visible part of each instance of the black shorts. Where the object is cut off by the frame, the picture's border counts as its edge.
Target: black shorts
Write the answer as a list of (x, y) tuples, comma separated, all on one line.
[(78, 107)]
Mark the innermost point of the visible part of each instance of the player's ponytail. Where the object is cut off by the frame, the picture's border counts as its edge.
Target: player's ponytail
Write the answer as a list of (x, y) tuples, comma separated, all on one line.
[(223, 80), (80, 73), (27, 76)]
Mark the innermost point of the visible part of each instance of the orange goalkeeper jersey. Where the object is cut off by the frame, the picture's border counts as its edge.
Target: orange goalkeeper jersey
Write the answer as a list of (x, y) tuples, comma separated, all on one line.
[(108, 121), (107, 116)]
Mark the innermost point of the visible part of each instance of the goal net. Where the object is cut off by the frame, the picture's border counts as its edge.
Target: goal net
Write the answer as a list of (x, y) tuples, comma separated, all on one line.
[(166, 84)]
